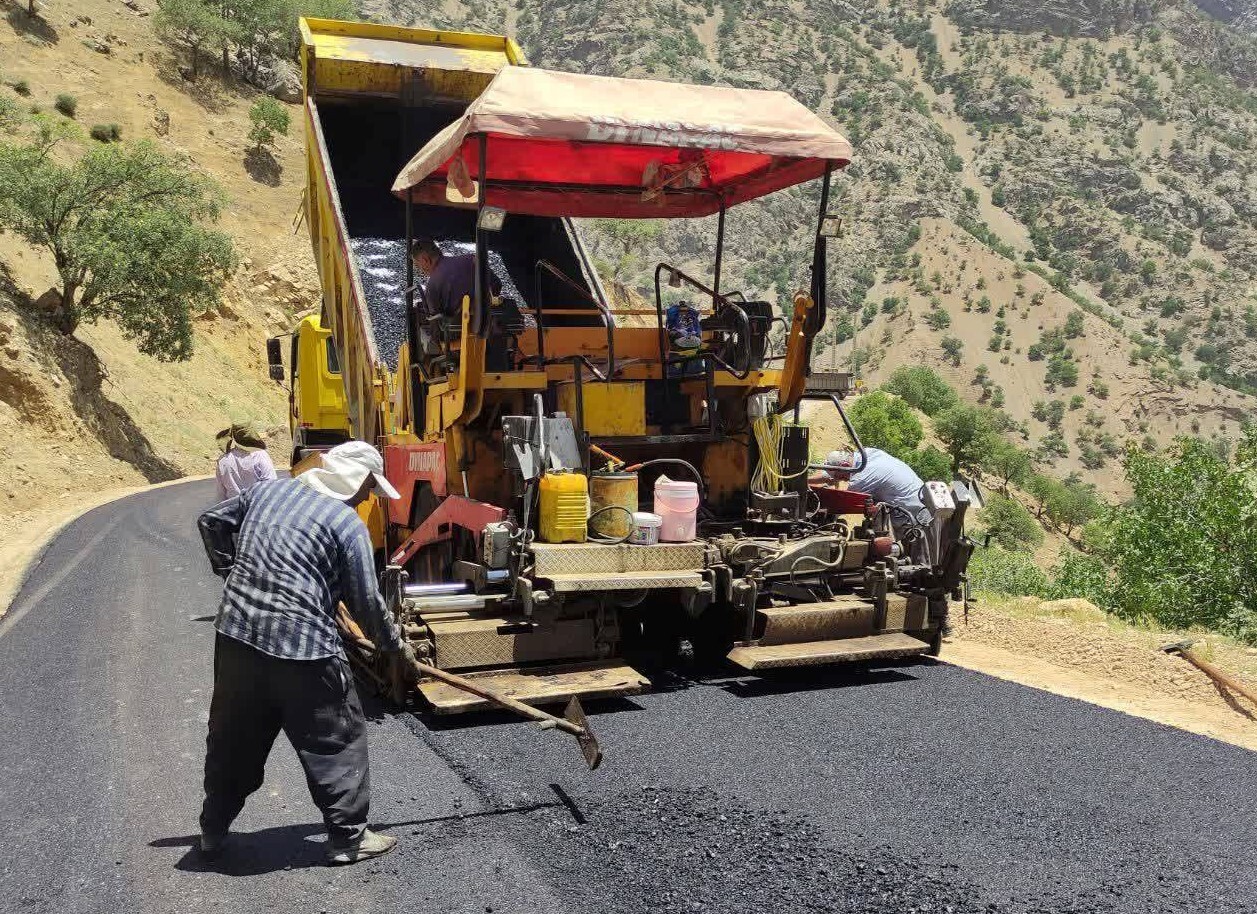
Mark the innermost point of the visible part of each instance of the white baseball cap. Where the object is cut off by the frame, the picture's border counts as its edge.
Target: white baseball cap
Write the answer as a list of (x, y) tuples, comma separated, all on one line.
[(345, 468), (840, 458)]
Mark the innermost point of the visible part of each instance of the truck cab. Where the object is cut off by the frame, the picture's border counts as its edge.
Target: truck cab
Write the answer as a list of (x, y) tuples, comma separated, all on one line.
[(317, 414)]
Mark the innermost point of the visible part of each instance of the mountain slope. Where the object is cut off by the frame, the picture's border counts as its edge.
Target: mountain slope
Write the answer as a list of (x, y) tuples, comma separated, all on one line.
[(1107, 145)]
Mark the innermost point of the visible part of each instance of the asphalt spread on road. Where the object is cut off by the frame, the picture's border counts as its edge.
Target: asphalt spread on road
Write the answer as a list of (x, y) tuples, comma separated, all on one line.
[(922, 788)]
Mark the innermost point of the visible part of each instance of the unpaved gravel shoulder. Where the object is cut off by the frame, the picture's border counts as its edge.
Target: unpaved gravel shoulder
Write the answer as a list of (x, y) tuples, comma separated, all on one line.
[(1070, 648)]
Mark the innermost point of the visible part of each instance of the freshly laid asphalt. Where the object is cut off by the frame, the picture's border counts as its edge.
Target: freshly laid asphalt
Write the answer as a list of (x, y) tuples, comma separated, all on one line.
[(913, 789)]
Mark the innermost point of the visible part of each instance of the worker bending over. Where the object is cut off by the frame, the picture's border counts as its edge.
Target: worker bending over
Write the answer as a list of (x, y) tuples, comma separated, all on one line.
[(887, 479), (290, 551)]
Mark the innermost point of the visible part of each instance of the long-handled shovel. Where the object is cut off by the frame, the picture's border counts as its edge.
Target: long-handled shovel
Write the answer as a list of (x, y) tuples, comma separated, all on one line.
[(1183, 649), (573, 720)]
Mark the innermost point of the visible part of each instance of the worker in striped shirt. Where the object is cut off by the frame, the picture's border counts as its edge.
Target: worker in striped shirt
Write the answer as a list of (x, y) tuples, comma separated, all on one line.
[(290, 551)]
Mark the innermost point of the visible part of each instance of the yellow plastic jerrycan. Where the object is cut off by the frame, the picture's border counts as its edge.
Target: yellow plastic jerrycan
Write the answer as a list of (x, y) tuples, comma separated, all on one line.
[(564, 507)]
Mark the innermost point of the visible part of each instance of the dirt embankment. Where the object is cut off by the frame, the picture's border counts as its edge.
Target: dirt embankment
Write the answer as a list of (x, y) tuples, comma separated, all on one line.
[(1072, 648), (86, 414)]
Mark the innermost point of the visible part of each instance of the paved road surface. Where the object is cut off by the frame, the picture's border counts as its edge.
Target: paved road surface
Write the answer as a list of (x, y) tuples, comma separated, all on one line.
[(922, 788)]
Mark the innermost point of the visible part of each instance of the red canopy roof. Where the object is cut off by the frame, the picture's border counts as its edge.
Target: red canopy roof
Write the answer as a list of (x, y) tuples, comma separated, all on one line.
[(566, 144)]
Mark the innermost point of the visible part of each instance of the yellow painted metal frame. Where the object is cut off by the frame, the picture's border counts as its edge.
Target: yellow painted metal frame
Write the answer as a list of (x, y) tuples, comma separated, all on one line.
[(369, 59), (318, 394)]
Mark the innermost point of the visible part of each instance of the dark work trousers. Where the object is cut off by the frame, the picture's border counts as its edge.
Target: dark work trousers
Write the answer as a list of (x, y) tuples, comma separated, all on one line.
[(316, 705)]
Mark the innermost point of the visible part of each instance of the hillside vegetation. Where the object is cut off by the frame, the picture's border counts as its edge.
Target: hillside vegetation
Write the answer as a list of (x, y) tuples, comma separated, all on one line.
[(1046, 203)]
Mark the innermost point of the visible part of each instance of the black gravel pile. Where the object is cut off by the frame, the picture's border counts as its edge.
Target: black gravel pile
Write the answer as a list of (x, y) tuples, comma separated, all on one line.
[(679, 850), (382, 268)]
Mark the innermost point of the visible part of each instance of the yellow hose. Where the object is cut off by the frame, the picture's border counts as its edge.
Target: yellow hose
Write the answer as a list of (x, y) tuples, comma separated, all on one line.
[(768, 436)]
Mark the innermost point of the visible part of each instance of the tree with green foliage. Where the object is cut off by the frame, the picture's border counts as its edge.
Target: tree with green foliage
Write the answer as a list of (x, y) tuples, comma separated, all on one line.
[(1183, 552), (929, 463), (1061, 371), (1009, 524), (921, 388), (1041, 488), (127, 229), (967, 433), (194, 25), (952, 348), (1007, 462), (267, 118), (10, 114), (938, 319), (1052, 446), (885, 422), (1073, 325), (1072, 505)]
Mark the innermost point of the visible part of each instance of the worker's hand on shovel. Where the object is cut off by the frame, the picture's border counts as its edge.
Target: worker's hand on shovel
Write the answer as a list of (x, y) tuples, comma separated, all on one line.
[(403, 674)]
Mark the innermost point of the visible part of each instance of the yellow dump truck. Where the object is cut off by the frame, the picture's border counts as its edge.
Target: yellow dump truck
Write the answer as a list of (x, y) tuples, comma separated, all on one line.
[(580, 484)]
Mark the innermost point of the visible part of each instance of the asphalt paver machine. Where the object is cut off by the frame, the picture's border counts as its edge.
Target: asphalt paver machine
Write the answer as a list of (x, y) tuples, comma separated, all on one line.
[(536, 434)]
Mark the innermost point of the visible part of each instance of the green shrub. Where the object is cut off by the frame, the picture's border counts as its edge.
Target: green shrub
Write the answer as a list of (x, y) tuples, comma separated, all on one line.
[(106, 133), (938, 319), (1009, 524), (1080, 575), (268, 118), (10, 113), (885, 422), (929, 463), (21, 87), (1001, 571), (67, 104), (1184, 551), (922, 388)]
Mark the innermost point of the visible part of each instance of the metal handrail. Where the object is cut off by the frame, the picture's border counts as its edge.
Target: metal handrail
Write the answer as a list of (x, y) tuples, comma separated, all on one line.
[(604, 311), (855, 438)]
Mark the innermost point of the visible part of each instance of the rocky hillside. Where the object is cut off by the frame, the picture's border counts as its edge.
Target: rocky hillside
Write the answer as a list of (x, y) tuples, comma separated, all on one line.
[(1019, 167), (89, 413)]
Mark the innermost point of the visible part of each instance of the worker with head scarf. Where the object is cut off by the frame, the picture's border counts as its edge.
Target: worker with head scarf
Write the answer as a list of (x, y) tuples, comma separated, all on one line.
[(291, 552), (244, 461)]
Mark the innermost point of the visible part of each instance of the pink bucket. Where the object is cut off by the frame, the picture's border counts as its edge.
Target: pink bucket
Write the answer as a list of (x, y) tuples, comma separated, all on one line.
[(677, 503)]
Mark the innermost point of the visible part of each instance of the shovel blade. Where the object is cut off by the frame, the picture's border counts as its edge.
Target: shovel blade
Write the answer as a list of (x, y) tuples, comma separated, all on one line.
[(588, 743)]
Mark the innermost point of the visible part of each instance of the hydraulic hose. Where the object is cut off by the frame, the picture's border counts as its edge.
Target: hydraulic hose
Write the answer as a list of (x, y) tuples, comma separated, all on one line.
[(698, 477), (609, 541)]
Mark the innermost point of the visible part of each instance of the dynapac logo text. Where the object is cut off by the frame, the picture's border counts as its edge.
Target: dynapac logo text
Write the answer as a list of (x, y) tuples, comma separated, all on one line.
[(667, 133), (424, 461)]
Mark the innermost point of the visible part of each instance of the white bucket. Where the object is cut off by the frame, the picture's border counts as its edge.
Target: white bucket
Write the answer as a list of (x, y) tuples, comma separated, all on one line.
[(677, 503), (645, 528)]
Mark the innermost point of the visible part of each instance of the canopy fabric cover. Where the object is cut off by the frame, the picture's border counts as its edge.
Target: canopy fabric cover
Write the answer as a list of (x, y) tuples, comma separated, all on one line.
[(569, 144)]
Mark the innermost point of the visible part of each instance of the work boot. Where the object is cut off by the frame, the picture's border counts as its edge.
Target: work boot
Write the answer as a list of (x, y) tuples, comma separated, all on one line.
[(368, 846), (211, 845)]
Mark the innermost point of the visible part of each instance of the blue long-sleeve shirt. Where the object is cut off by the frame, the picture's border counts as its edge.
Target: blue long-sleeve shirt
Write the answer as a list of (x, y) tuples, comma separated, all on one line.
[(290, 554)]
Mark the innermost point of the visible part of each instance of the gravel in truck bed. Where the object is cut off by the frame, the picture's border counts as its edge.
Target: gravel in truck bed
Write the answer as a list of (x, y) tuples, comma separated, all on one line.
[(382, 268)]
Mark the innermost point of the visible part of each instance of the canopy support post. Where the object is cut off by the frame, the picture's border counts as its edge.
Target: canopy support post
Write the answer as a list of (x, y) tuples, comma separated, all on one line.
[(720, 248), (479, 314), (819, 260), (417, 394)]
